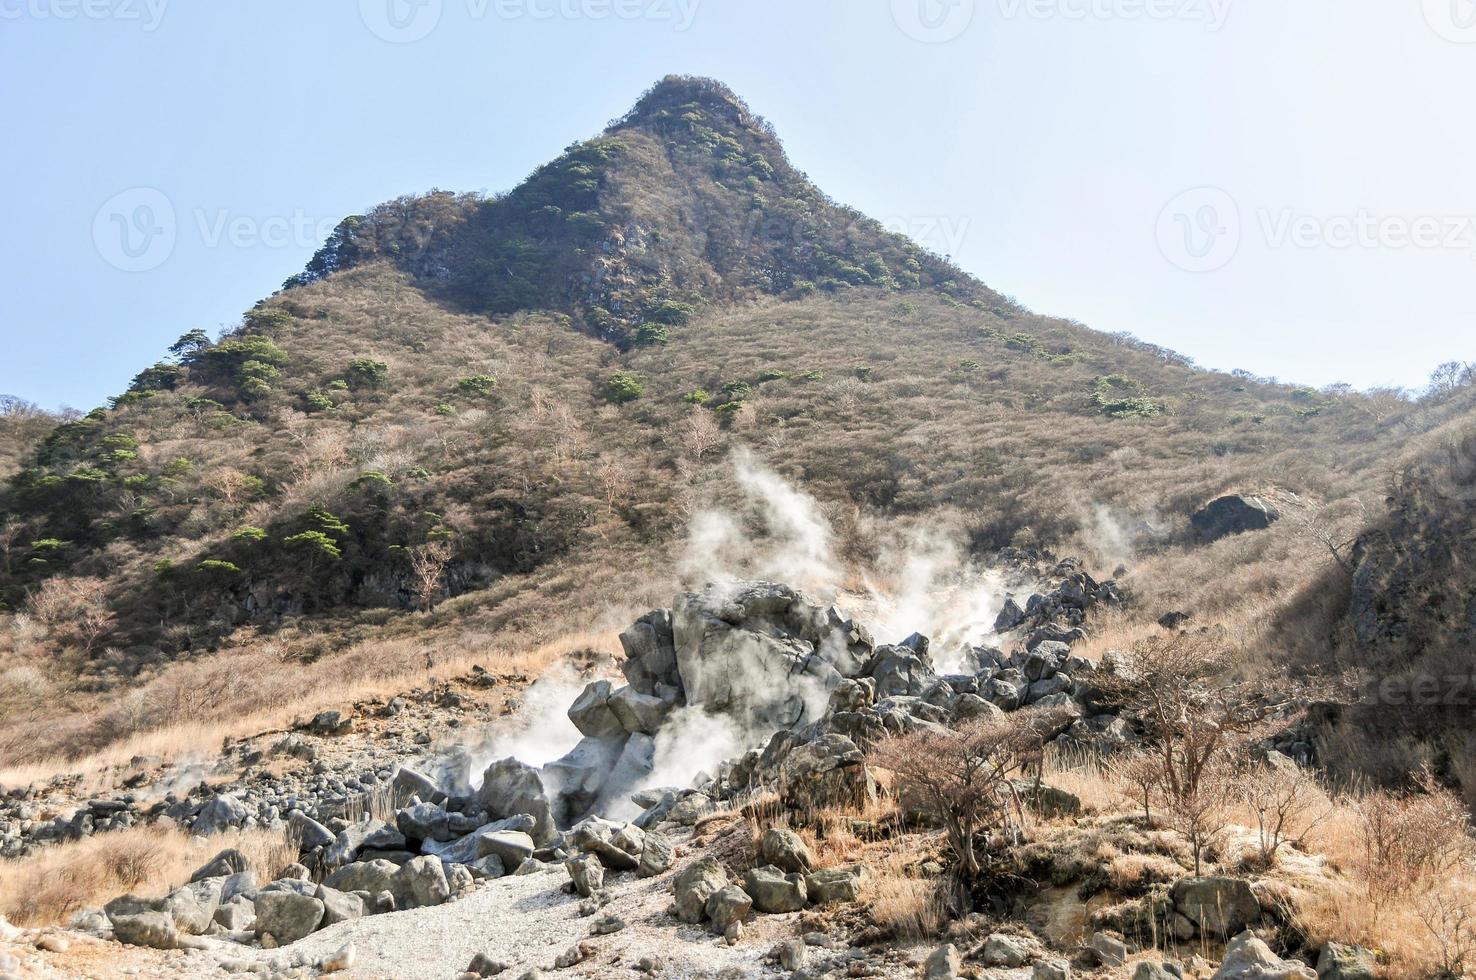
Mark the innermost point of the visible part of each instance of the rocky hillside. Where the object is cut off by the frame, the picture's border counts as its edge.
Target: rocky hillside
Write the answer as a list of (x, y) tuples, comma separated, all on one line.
[(826, 846), (343, 642)]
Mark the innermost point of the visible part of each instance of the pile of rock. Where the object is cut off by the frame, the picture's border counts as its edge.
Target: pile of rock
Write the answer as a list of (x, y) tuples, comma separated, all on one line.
[(23, 829), (783, 883)]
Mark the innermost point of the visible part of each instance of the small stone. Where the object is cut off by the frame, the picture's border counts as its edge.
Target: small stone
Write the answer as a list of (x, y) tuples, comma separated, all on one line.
[(607, 924), (587, 874), (575, 954), (341, 960), (657, 854), (1003, 950), (792, 954), (1051, 970), (483, 965), (726, 906)]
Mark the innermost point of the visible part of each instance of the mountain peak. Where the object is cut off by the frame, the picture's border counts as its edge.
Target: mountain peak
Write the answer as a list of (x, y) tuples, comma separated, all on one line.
[(689, 198), (680, 91)]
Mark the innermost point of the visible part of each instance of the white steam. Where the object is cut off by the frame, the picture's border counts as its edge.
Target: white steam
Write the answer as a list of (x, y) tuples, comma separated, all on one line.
[(923, 581), (538, 732), (794, 548)]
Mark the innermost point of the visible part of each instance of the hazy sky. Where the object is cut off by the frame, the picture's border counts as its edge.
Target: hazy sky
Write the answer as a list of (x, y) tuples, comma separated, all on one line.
[(1284, 186)]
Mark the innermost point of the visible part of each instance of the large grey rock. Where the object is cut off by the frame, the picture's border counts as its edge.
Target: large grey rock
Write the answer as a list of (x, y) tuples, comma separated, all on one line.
[(591, 712), (899, 672), (587, 874), (228, 862), (408, 782), (220, 813), (726, 906), (774, 891), (309, 833), (833, 885), (509, 788), (465, 850), (192, 906), (650, 653), (1248, 958), (510, 846), (943, 963), (236, 915), (141, 922), (427, 821), (364, 876), (1233, 514), (286, 916), (830, 771), (657, 853), (577, 779), (1338, 961), (424, 879), (1002, 949), (339, 906), (639, 712), (1149, 970), (786, 850), (757, 652), (694, 885), (373, 835), (1053, 970), (1218, 906)]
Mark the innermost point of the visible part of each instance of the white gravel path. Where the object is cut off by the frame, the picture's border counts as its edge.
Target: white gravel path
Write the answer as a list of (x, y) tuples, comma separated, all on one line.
[(529, 920)]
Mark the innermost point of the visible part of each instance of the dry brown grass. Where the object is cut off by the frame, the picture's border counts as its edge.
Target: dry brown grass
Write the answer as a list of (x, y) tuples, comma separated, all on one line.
[(195, 705), (54, 885), (907, 904)]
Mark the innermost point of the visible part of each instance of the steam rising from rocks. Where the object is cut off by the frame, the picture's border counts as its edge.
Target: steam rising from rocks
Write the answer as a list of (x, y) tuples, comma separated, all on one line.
[(921, 581)]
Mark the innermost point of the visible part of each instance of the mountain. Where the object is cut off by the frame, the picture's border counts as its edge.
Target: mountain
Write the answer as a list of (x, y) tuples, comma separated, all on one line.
[(510, 408)]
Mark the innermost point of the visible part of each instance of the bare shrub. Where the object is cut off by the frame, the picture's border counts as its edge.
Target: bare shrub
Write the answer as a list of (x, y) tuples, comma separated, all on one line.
[(1410, 839), (1286, 803), (961, 778), (427, 567), (1448, 913), (74, 607)]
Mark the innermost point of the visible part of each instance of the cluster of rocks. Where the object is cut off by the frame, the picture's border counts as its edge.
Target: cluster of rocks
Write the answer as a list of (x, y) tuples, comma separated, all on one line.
[(784, 882), (24, 826)]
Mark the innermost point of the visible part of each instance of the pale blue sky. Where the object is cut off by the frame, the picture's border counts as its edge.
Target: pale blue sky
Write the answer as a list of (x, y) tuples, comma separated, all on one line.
[(1326, 147)]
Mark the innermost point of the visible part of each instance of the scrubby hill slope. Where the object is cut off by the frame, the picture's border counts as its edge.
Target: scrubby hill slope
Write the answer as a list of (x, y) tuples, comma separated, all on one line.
[(519, 401)]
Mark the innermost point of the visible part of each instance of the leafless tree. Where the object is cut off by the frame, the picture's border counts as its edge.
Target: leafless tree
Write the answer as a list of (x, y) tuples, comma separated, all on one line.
[(1180, 687), (78, 606), (1335, 526), (1288, 805), (1144, 772), (961, 778), (1201, 814), (428, 565), (1408, 839), (1449, 917), (615, 480), (699, 435)]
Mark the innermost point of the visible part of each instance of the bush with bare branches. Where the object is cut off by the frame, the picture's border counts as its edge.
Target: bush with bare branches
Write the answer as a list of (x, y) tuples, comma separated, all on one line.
[(961, 778)]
